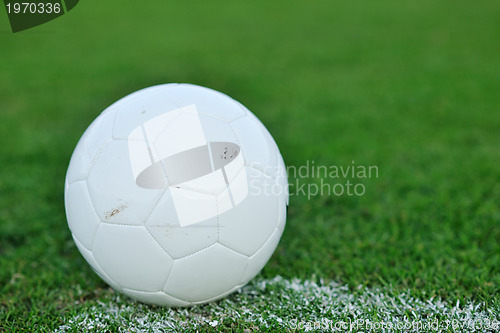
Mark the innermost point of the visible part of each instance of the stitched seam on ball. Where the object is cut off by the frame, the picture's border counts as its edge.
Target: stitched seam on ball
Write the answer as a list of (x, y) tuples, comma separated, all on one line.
[(154, 207), (209, 114), (144, 227), (101, 271), (203, 249), (267, 241), (241, 147), (218, 217), (155, 292), (233, 250), (94, 160), (171, 266), (166, 127), (237, 118), (243, 152), (95, 212), (114, 123), (276, 227), (104, 146), (123, 224), (227, 292), (242, 107), (214, 117), (143, 291), (149, 232)]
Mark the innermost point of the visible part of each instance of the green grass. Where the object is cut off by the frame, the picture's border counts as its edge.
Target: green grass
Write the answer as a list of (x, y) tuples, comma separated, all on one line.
[(411, 87)]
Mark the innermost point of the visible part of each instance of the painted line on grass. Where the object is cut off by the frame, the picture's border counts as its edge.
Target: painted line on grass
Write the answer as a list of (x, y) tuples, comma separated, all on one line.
[(294, 305)]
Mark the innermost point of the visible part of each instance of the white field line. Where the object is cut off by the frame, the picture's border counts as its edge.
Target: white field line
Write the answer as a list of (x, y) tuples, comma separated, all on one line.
[(294, 304)]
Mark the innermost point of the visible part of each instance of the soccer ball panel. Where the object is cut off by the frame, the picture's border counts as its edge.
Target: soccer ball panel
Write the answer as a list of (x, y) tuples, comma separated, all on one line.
[(254, 143), (82, 220), (157, 298), (224, 294), (261, 257), (181, 133), (238, 185), (282, 179), (207, 101), (164, 213), (282, 213), (113, 190), (91, 143), (131, 257), (246, 228), (217, 130), (180, 241), (140, 107), (185, 201), (206, 274), (176, 240), (212, 184), (89, 257)]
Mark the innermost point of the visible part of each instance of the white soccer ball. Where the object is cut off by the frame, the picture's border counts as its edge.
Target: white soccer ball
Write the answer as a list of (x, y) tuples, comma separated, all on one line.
[(176, 195)]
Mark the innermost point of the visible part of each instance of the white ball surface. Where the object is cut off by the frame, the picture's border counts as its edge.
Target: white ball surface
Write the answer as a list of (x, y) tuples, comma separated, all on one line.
[(176, 195)]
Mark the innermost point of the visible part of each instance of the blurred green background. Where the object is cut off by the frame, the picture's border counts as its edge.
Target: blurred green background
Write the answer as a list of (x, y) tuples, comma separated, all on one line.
[(409, 86)]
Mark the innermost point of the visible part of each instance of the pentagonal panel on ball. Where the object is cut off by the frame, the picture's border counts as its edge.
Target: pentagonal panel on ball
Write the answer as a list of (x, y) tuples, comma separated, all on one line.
[(131, 257), (206, 274), (246, 227), (113, 189)]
